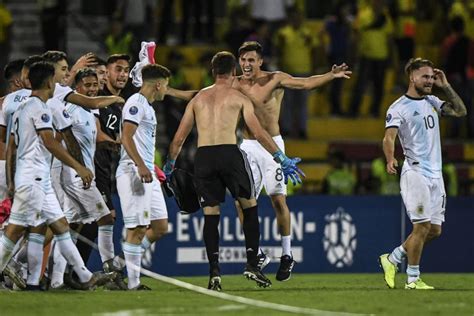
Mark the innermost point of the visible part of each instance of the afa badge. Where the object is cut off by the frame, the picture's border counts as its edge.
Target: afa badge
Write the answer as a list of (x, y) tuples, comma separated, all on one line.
[(65, 114), (45, 118), (133, 110), (389, 117)]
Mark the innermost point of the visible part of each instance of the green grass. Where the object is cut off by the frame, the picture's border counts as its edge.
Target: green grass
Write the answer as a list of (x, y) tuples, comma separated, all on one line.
[(353, 293)]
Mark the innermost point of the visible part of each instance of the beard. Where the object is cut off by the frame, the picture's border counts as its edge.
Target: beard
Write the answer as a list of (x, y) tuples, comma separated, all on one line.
[(423, 90)]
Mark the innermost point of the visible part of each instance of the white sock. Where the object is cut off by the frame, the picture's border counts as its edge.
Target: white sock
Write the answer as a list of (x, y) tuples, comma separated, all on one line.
[(413, 273), (69, 250), (35, 258), (397, 255), (133, 258), (59, 267), (6, 251), (145, 243), (106, 242), (286, 245)]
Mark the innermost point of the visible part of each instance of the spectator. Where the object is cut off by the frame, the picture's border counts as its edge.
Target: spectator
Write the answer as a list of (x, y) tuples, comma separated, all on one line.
[(295, 45), (374, 28), (261, 34), (339, 180), (240, 29), (5, 39), (337, 28), (118, 41), (387, 184)]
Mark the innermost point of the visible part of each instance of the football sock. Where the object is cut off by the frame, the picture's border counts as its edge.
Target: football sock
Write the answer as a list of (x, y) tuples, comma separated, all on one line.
[(211, 237), (6, 250), (251, 229), (397, 255), (145, 243), (133, 257), (286, 245), (413, 273), (69, 250), (106, 242), (35, 258)]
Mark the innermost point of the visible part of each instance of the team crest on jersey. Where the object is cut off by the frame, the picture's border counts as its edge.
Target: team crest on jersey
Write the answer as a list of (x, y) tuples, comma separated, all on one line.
[(66, 114), (45, 118), (389, 117), (133, 110)]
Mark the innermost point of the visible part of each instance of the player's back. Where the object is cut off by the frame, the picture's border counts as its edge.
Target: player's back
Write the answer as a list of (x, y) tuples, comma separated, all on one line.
[(217, 110), (33, 159)]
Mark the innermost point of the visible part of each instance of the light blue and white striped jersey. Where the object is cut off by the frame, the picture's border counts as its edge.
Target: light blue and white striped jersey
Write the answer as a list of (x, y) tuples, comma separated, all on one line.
[(85, 131), (138, 111), (33, 160), (10, 104), (418, 130)]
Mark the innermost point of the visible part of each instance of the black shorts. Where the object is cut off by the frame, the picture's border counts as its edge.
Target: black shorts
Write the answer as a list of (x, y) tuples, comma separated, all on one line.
[(219, 167)]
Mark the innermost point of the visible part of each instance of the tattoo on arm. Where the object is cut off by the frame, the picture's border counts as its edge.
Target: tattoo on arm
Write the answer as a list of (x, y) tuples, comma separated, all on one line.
[(73, 146), (455, 105)]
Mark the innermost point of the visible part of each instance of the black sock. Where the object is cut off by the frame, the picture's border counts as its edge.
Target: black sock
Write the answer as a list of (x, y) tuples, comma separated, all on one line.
[(252, 233), (211, 237)]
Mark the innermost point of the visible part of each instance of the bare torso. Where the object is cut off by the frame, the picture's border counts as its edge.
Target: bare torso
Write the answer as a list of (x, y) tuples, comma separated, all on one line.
[(266, 96), (217, 110)]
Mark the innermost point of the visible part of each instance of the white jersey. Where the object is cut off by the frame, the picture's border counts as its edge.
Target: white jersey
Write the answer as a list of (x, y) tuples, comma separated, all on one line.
[(138, 111), (418, 130), (85, 131), (61, 120), (10, 104), (33, 159), (62, 92)]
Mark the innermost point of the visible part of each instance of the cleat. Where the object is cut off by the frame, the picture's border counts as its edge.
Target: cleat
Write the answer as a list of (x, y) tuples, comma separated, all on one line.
[(418, 285), (286, 266), (254, 273), (262, 261), (389, 270), (15, 277), (140, 287), (45, 283), (97, 279), (111, 266), (215, 284)]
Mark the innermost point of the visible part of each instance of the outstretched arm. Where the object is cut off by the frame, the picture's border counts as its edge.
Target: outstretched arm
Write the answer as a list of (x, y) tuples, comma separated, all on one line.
[(454, 105), (185, 127), (93, 102), (389, 149), (181, 94), (308, 83)]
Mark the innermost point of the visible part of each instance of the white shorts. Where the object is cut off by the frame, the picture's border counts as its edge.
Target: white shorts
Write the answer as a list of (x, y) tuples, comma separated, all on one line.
[(58, 189), (424, 197), (83, 206), (33, 205), (3, 181), (140, 202), (266, 172)]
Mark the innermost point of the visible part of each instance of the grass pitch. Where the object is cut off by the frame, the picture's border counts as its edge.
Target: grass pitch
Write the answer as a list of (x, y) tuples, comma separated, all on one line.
[(349, 293)]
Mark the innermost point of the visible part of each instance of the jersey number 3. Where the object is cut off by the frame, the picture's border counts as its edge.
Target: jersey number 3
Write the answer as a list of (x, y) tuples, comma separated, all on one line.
[(16, 127)]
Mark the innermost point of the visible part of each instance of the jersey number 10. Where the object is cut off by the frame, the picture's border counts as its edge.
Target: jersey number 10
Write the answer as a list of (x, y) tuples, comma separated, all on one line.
[(429, 121)]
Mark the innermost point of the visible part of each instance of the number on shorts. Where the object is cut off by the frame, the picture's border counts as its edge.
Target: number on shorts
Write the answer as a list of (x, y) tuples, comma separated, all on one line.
[(279, 174)]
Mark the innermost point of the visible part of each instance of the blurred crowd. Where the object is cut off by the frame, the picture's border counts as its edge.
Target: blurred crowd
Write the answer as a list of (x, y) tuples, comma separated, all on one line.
[(300, 37)]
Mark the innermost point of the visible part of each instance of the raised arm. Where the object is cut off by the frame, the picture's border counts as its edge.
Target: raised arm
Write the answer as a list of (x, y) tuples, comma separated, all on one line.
[(61, 153), (93, 102), (389, 149), (185, 127), (128, 144), (181, 94), (454, 105), (308, 83)]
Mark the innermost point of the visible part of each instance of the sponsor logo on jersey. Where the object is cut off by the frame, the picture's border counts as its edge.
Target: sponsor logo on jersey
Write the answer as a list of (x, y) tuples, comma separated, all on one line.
[(45, 118), (133, 110)]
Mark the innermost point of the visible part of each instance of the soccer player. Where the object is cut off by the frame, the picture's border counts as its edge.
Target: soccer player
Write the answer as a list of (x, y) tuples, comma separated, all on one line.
[(107, 158), (34, 201), (219, 164), (101, 70), (141, 198), (414, 117), (84, 206), (265, 90)]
